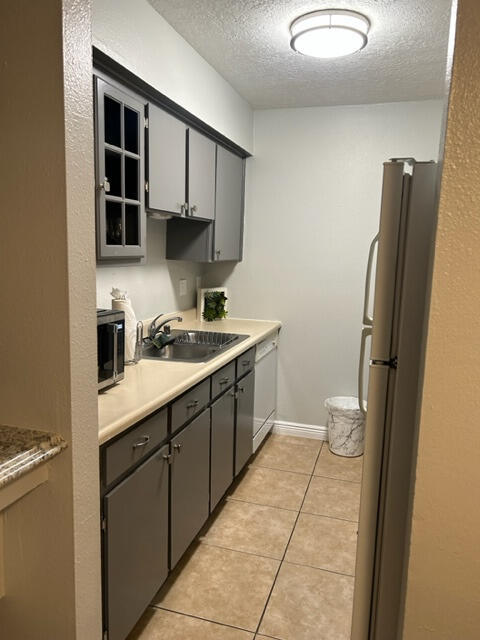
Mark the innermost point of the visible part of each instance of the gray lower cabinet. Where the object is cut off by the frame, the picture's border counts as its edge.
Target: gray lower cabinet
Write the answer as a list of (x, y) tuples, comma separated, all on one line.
[(167, 162), (136, 543), (222, 446), (190, 485), (244, 422)]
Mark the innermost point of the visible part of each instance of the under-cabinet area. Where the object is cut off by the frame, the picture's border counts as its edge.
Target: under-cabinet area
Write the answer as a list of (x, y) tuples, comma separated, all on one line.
[(163, 475), (151, 161)]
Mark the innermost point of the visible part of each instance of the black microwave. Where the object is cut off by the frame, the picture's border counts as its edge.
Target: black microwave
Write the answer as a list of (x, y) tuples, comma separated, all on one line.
[(110, 347)]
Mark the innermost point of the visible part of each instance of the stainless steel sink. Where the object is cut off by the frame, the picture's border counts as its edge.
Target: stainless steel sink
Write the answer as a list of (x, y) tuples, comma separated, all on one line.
[(193, 346)]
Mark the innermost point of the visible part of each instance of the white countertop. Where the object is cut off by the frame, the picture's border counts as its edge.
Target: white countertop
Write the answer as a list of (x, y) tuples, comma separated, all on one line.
[(151, 384)]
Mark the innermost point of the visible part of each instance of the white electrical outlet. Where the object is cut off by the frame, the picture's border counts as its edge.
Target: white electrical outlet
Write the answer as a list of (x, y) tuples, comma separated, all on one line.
[(183, 287)]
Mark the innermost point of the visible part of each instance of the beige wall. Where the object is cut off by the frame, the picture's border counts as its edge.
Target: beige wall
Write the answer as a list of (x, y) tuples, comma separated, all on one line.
[(443, 588), (47, 323)]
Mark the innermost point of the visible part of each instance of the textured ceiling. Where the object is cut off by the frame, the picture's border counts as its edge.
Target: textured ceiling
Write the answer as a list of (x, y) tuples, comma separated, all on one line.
[(247, 42)]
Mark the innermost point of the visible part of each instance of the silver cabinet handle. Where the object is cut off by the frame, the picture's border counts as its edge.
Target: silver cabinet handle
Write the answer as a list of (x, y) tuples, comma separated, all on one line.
[(192, 404), (184, 209), (223, 381), (217, 254), (177, 447), (368, 320), (105, 185), (193, 209), (142, 442), (241, 389), (366, 331)]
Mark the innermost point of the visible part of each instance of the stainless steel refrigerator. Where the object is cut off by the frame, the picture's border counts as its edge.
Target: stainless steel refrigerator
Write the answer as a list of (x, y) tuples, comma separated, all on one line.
[(395, 334)]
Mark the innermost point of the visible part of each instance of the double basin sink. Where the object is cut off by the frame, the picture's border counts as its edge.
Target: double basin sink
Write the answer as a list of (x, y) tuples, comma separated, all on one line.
[(193, 346)]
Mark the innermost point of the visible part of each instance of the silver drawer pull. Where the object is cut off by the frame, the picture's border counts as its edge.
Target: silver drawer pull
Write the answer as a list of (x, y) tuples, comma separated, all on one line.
[(177, 447), (223, 381), (141, 443), (192, 405)]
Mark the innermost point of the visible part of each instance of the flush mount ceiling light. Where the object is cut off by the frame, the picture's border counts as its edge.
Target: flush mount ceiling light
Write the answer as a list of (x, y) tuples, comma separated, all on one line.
[(329, 33)]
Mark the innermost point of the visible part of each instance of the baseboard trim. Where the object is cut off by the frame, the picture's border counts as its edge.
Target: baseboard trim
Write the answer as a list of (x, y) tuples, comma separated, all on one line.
[(283, 428)]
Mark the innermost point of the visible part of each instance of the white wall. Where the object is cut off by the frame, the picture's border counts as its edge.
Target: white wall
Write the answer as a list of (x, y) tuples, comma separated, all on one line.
[(154, 286), (312, 208), (134, 34)]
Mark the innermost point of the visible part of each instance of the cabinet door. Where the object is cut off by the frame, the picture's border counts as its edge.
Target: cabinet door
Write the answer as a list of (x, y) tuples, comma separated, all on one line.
[(166, 162), (136, 544), (201, 176), (222, 446), (120, 188), (229, 206), (244, 422), (189, 484)]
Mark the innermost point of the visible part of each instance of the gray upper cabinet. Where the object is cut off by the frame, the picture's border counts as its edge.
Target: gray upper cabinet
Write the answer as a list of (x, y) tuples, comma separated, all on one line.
[(167, 162), (229, 206), (201, 176), (120, 182), (223, 239), (135, 543)]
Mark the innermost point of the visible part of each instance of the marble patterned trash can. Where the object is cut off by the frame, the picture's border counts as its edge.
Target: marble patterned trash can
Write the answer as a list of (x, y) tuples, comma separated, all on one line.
[(346, 426)]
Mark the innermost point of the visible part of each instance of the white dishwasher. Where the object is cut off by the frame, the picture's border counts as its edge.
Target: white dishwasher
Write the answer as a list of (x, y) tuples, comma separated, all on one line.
[(265, 389)]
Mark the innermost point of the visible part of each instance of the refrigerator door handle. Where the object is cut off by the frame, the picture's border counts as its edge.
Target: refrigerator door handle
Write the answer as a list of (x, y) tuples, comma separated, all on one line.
[(366, 331), (368, 320)]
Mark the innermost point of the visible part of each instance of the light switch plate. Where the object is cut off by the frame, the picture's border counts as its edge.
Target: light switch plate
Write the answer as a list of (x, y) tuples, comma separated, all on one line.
[(183, 287)]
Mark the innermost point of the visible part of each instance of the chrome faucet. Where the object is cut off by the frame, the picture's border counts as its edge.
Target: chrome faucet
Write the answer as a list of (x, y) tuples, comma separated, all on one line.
[(154, 328)]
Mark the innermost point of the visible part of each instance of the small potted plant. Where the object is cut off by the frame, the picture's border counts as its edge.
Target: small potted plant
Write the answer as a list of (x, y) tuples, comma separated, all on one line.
[(214, 304)]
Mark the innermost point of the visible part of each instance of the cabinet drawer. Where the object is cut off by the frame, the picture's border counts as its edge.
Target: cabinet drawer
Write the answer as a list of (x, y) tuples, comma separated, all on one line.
[(245, 362), (135, 445), (190, 404), (223, 378)]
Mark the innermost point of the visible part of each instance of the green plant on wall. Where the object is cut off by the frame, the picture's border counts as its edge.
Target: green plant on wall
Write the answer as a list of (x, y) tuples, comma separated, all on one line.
[(215, 306)]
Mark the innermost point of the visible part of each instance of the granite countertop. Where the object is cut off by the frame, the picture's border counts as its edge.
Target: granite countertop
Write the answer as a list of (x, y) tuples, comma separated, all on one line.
[(151, 384), (21, 450)]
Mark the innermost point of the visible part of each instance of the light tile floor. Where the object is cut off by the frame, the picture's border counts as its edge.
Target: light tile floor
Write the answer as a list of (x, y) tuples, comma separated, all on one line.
[(276, 559)]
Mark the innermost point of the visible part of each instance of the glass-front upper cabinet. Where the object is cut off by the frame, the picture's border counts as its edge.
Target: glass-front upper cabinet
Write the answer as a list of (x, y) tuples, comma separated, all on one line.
[(120, 182)]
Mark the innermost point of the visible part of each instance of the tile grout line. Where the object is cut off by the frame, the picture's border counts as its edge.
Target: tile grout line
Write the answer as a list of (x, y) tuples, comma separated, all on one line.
[(286, 548), (261, 555), (322, 515), (190, 615), (259, 504)]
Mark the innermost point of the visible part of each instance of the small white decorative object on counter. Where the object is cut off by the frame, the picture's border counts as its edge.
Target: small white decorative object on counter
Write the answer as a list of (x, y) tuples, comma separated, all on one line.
[(201, 306), (346, 426), (121, 302)]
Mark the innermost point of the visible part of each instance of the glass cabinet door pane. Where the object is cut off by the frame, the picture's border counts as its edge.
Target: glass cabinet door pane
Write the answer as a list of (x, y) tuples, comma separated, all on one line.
[(112, 111), (131, 129), (113, 172), (113, 213), (132, 223), (131, 178)]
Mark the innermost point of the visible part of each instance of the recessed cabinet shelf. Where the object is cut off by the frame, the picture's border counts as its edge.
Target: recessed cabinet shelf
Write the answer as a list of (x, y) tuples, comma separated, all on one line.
[(223, 239), (120, 179)]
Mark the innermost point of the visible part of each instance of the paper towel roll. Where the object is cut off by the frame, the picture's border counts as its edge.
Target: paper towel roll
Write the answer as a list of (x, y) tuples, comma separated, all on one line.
[(124, 304)]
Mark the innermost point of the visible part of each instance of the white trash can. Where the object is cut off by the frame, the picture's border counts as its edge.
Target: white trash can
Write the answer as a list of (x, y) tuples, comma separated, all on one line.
[(346, 426)]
